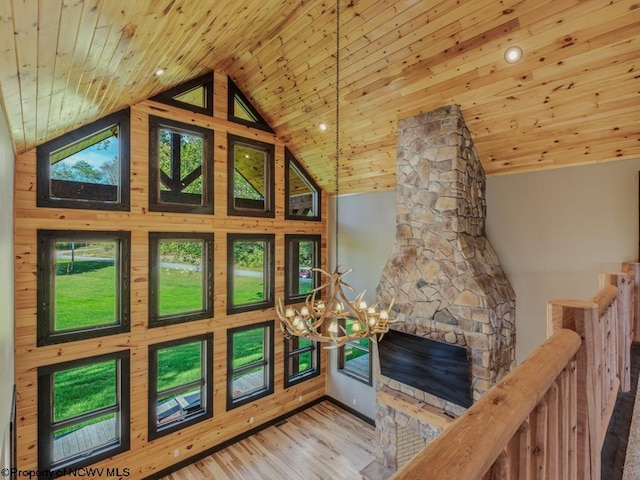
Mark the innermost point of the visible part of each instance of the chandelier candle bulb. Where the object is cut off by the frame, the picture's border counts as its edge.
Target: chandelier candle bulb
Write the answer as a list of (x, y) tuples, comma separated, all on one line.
[(326, 320)]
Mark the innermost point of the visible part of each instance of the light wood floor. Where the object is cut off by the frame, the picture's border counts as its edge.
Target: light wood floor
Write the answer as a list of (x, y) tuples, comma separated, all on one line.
[(322, 442)]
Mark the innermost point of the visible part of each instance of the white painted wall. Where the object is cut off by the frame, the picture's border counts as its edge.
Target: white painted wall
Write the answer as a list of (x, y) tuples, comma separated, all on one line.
[(553, 231), (7, 159), (366, 235)]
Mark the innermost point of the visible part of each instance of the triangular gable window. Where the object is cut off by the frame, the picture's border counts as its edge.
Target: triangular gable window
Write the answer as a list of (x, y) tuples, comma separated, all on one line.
[(241, 110), (195, 95), (302, 194)]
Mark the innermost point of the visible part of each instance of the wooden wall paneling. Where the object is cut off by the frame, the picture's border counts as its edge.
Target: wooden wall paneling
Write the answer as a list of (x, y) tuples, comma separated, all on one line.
[(220, 92), (48, 16), (146, 457), (26, 49), (82, 29), (9, 74), (113, 25), (125, 31)]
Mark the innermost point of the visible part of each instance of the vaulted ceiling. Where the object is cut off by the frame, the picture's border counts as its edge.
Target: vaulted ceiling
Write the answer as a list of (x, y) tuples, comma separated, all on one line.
[(572, 99)]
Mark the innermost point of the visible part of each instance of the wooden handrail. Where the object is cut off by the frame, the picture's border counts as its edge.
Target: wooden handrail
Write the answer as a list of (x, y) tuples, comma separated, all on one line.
[(605, 297), (469, 447)]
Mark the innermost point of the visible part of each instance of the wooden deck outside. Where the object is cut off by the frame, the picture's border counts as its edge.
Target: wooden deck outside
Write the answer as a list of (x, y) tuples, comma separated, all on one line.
[(102, 433), (360, 365), (84, 439)]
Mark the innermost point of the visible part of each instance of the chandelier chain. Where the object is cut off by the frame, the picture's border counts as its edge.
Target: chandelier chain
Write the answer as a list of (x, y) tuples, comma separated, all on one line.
[(337, 153), (327, 314)]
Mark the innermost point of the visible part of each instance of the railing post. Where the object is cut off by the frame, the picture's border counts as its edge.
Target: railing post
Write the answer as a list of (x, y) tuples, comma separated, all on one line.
[(625, 285), (581, 317), (634, 268)]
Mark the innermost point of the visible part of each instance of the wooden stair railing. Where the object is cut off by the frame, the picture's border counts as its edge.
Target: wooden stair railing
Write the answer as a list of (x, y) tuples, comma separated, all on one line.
[(507, 422), (547, 419)]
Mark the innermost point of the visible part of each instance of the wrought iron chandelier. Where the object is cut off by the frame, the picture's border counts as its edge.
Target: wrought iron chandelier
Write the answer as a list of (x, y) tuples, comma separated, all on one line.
[(328, 316)]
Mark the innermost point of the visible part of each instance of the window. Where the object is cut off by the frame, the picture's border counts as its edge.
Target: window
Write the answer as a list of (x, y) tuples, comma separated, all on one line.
[(195, 95), (302, 253), (180, 167), (241, 111), (250, 272), (249, 363), (180, 384), (87, 168), (302, 194), (354, 358), (251, 177), (83, 411), (83, 284), (180, 277), (302, 357)]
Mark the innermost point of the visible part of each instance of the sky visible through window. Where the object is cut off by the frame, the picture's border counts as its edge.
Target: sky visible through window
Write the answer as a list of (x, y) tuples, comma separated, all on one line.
[(94, 164)]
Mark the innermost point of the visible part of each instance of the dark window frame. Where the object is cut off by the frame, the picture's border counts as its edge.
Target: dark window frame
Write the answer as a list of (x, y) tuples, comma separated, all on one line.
[(267, 363), (46, 274), (206, 388), (205, 81), (45, 415), (233, 92), (155, 319), (268, 210), (291, 162), (292, 352), (292, 266), (206, 171), (342, 362), (268, 271), (44, 196)]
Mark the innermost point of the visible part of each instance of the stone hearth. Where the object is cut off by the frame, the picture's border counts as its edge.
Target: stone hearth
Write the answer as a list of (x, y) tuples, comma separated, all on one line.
[(445, 276)]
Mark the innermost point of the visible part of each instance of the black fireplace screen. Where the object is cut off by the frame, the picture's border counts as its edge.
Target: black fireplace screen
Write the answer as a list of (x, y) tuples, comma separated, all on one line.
[(439, 368)]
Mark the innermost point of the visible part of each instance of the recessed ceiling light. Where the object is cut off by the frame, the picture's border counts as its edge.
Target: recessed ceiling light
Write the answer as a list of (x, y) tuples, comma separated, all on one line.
[(323, 127), (513, 54), (159, 71)]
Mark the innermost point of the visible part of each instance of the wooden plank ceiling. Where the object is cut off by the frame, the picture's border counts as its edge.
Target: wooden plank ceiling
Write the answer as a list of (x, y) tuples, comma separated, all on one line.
[(573, 99)]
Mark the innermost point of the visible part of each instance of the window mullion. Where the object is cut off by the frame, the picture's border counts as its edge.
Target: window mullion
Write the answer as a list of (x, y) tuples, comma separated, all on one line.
[(101, 412), (250, 366), (302, 350), (175, 161), (358, 347), (180, 388)]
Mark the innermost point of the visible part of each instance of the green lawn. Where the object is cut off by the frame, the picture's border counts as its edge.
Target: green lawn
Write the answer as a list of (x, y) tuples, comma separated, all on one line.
[(181, 291), (83, 389), (247, 289), (85, 297), (179, 365)]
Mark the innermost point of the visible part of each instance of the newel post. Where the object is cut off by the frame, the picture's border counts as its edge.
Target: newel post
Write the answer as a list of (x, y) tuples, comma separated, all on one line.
[(582, 316), (634, 268), (625, 284)]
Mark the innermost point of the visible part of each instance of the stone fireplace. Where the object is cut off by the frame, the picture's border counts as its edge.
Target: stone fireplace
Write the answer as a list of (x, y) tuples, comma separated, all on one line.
[(445, 276)]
